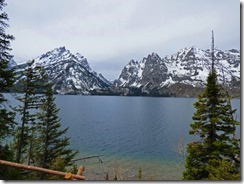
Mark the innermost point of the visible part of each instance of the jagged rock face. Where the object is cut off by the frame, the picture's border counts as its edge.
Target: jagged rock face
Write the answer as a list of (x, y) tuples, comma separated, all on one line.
[(150, 71), (189, 66), (192, 65), (129, 74), (69, 73), (154, 73)]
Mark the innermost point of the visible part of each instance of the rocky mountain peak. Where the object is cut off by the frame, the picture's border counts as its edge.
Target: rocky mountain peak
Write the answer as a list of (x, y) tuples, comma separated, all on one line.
[(61, 54), (182, 73), (70, 73), (188, 67), (132, 62), (53, 56), (153, 58), (82, 60), (57, 51), (188, 53)]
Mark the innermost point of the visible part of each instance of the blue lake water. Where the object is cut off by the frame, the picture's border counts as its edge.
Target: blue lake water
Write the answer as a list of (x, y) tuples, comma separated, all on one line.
[(130, 132)]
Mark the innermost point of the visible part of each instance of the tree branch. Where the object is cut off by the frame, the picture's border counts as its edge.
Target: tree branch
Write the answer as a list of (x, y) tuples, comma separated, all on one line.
[(84, 158), (40, 169)]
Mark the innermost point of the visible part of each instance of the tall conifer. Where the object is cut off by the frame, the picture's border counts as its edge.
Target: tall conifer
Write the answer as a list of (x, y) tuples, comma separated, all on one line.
[(214, 124), (6, 75), (53, 151), (7, 123), (30, 103)]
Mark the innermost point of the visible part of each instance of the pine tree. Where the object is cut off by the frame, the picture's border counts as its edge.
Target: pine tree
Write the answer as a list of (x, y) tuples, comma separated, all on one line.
[(6, 75), (215, 126), (30, 103), (53, 151), (5, 39), (6, 172), (7, 123)]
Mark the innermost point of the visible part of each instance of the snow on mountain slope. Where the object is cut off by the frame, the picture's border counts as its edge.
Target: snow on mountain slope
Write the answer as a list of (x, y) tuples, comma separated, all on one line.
[(192, 65), (70, 73), (186, 69), (61, 54), (189, 66)]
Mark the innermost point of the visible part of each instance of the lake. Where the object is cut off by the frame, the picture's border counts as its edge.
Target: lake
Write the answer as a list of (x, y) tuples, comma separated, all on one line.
[(129, 133)]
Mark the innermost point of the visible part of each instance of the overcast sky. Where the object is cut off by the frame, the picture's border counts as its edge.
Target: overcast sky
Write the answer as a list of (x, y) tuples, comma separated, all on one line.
[(109, 33)]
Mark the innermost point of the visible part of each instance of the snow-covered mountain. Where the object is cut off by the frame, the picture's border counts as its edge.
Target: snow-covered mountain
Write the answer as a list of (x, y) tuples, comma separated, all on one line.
[(70, 73), (181, 74), (187, 68)]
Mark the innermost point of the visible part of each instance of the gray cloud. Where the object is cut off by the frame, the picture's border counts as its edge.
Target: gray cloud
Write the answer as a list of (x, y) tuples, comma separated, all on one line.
[(102, 30)]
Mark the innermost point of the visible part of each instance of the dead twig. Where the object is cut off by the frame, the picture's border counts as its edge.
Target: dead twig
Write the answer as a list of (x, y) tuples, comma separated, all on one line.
[(84, 158)]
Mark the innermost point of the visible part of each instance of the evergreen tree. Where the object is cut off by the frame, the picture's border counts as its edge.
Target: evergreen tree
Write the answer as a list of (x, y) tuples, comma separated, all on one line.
[(30, 103), (6, 76), (6, 82), (5, 39), (53, 151), (6, 172), (39, 140), (214, 124)]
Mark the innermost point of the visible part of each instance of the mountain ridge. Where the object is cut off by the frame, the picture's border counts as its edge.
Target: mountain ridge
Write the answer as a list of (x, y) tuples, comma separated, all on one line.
[(181, 74), (190, 66), (69, 73)]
